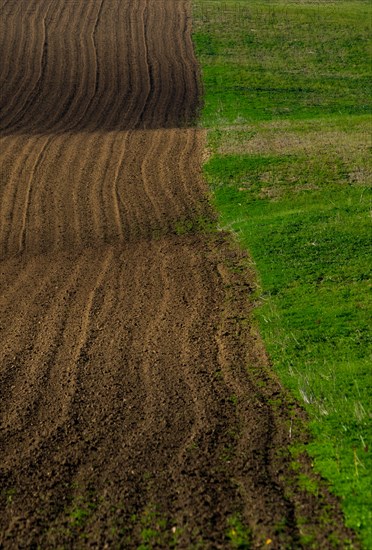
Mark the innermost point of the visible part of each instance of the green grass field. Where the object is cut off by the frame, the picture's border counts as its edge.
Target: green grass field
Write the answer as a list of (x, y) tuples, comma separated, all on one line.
[(286, 105)]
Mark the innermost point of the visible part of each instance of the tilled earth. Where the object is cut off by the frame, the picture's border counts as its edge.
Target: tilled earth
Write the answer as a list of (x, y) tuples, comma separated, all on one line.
[(138, 406)]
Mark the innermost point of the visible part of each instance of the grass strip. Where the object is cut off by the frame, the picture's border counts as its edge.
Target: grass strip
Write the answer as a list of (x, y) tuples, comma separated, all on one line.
[(286, 105)]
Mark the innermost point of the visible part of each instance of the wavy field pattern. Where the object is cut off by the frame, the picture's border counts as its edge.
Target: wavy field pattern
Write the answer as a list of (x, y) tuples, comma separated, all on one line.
[(123, 348)]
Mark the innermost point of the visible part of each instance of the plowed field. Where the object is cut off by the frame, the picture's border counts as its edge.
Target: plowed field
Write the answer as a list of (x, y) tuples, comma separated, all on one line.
[(129, 413)]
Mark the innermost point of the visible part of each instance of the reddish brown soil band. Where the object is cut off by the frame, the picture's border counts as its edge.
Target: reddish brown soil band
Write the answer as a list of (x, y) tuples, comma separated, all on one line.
[(137, 405)]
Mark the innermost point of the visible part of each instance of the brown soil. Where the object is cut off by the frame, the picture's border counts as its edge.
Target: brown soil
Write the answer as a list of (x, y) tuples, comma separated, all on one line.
[(137, 403)]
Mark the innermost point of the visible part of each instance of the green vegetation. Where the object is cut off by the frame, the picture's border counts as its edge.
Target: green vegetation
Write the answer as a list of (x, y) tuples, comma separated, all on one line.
[(156, 531), (81, 509), (286, 95), (239, 536)]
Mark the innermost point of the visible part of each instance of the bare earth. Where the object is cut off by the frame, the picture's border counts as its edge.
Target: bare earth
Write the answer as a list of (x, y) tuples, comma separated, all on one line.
[(137, 402)]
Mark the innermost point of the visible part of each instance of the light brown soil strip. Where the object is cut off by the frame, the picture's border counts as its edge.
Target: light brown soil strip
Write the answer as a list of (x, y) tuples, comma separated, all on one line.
[(135, 393)]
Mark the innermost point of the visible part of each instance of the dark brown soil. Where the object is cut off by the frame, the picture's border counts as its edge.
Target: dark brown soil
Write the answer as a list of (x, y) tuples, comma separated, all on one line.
[(138, 405)]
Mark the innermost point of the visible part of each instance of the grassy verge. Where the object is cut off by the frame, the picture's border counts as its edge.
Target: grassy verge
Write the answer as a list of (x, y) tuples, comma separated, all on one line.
[(286, 105)]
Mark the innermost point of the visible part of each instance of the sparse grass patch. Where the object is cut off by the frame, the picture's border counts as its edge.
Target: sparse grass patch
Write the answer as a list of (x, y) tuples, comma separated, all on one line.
[(238, 534), (200, 224), (80, 510), (286, 104), (156, 531)]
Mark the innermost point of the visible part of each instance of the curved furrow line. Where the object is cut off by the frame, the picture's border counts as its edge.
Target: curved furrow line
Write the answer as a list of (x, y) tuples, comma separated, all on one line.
[(14, 158), (173, 115), (39, 104), (193, 184), (109, 200), (137, 91), (81, 179), (78, 204), (151, 346), (96, 199), (94, 106), (15, 192), (61, 227), (167, 177), (157, 212), (158, 181), (90, 68), (49, 211), (115, 208), (185, 94), (183, 184), (28, 399), (172, 68), (50, 93), (28, 193), (11, 41), (194, 297), (116, 113), (123, 184), (27, 27), (156, 103), (13, 280), (124, 313), (105, 93), (80, 345), (143, 214), (20, 321), (11, 146), (188, 179), (141, 68), (186, 185), (59, 231), (174, 97), (190, 67), (181, 100), (156, 354), (134, 194), (84, 212), (184, 71), (68, 80), (162, 108), (71, 355), (253, 459), (27, 283), (100, 164), (205, 454), (79, 99), (62, 216), (96, 69), (7, 4), (119, 206), (199, 298), (171, 103), (63, 213), (126, 50), (105, 222)]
